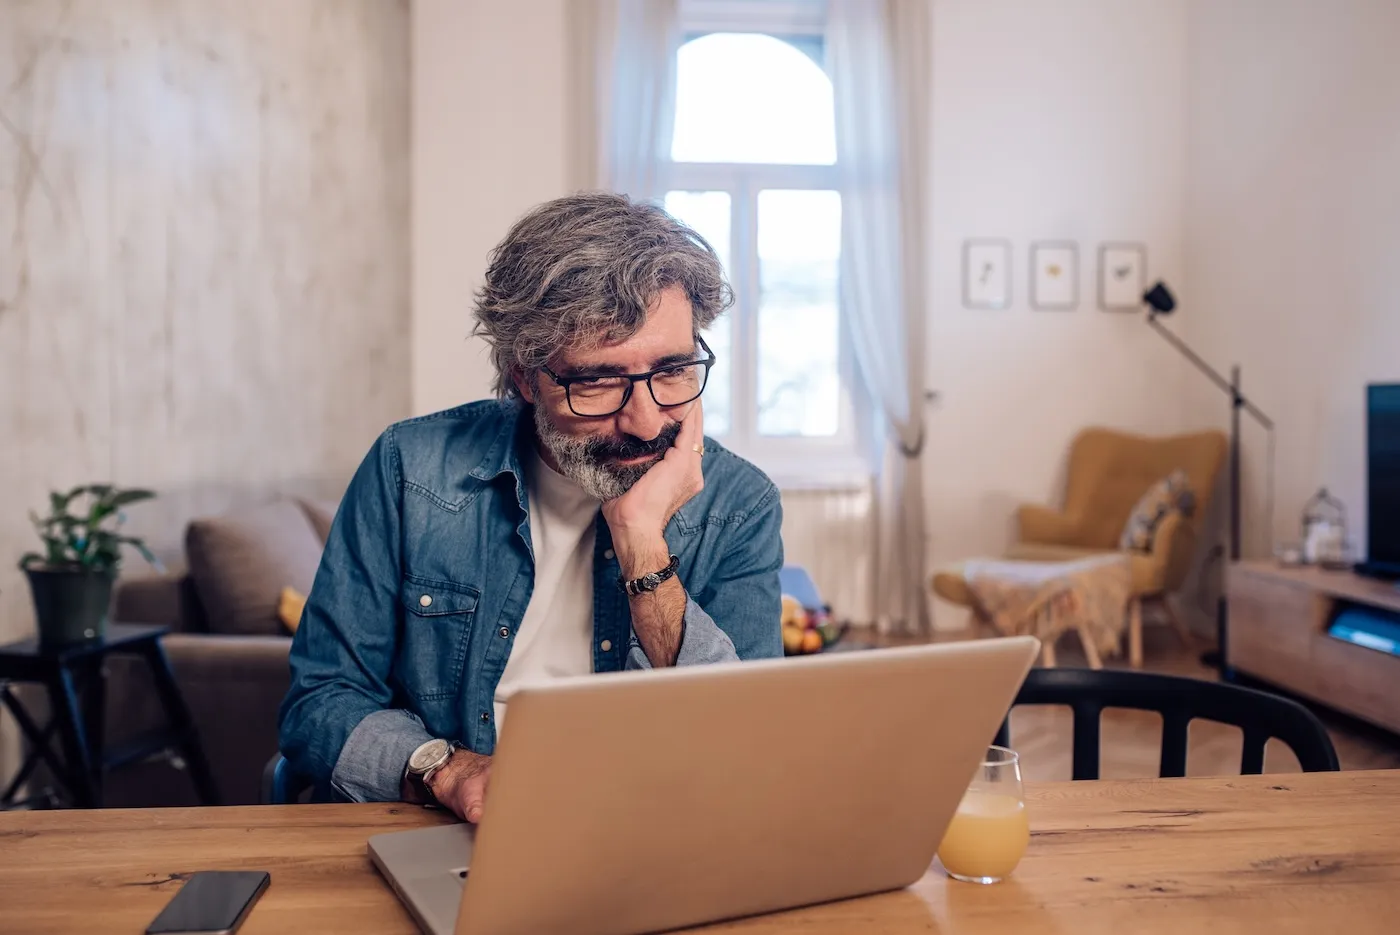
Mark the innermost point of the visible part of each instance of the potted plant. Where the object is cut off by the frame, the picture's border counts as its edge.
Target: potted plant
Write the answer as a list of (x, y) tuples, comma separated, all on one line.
[(71, 580)]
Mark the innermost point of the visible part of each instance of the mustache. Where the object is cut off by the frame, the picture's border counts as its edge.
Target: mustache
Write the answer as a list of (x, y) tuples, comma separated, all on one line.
[(629, 446)]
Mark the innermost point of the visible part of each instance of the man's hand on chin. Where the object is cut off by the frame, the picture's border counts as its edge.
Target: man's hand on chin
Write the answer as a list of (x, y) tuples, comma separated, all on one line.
[(638, 518), (461, 784), (637, 521)]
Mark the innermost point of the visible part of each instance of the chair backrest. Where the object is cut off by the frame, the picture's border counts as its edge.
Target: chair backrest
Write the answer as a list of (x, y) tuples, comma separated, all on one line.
[(280, 784), (1109, 471), (1259, 715)]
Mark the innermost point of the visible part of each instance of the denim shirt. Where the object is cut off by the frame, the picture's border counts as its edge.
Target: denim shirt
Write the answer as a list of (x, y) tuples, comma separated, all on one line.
[(428, 569)]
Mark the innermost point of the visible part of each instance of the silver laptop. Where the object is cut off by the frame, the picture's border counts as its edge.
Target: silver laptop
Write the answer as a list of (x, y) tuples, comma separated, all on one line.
[(644, 801)]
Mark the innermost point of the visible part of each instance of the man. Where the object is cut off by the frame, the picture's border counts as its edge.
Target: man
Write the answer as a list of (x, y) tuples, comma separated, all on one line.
[(582, 523)]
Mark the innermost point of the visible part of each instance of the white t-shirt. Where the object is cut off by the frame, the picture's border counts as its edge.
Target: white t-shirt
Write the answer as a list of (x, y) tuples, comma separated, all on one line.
[(556, 636)]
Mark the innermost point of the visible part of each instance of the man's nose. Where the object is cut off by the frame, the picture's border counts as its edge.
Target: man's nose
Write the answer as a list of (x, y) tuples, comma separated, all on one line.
[(641, 417)]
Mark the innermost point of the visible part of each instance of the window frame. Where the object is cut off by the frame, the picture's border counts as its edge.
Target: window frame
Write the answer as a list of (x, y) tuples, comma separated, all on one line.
[(794, 462)]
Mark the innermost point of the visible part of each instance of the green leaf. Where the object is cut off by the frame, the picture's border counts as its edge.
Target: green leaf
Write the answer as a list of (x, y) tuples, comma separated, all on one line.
[(127, 497), (98, 513), (30, 558), (140, 546)]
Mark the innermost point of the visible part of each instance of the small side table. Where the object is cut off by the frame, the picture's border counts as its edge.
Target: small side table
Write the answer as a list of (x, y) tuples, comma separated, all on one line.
[(76, 682)]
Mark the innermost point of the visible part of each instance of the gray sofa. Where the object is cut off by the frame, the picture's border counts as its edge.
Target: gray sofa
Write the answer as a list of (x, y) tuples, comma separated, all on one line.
[(228, 649)]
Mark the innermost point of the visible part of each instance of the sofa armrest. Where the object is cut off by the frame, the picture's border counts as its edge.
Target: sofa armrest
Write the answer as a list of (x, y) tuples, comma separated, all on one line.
[(230, 659), (234, 686), (1038, 523)]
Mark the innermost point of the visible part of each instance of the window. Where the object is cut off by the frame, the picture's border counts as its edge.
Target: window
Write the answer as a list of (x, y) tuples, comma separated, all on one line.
[(753, 160)]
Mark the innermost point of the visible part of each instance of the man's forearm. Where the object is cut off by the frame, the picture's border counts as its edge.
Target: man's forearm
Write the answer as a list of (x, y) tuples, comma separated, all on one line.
[(658, 617)]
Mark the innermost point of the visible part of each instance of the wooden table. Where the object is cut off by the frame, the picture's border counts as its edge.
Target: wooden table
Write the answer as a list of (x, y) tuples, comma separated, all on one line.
[(1268, 854)]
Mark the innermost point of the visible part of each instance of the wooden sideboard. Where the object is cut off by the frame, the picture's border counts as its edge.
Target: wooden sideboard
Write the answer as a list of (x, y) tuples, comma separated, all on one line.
[(1278, 633)]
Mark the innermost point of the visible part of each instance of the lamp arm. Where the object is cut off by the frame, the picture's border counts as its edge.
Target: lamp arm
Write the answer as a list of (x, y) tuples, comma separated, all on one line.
[(1211, 372)]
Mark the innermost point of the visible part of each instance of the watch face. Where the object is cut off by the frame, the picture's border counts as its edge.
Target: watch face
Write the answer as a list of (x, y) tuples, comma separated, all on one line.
[(427, 755)]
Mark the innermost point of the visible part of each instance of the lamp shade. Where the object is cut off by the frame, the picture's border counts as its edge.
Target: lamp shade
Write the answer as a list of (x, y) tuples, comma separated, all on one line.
[(1160, 298)]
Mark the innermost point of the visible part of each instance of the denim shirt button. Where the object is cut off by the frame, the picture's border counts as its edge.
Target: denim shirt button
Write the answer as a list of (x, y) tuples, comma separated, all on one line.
[(425, 600), (605, 646), (485, 717), (610, 554), (505, 633)]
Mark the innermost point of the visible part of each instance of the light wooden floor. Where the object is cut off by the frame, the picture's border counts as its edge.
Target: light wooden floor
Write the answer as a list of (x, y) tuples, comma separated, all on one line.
[(1131, 740)]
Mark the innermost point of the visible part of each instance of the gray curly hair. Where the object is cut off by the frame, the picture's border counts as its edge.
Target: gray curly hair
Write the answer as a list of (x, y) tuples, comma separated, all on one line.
[(580, 271)]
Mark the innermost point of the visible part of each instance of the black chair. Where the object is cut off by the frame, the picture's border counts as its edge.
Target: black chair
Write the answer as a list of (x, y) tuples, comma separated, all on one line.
[(1180, 701)]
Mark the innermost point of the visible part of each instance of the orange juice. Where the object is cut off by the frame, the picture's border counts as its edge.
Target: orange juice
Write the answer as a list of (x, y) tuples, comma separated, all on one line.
[(987, 836)]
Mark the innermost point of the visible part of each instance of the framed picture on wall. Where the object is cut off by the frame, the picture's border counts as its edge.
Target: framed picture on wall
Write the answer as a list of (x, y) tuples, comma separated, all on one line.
[(987, 273), (1122, 276), (1054, 275)]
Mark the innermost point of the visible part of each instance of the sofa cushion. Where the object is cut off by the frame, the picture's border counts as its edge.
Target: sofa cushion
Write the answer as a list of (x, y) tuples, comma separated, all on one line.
[(240, 563), (290, 605), (1170, 494), (322, 514)]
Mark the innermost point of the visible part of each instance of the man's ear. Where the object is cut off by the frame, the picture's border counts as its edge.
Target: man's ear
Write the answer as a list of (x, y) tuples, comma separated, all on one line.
[(526, 388)]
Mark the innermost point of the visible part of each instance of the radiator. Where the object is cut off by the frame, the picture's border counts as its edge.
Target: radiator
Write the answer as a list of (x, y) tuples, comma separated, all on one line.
[(829, 533)]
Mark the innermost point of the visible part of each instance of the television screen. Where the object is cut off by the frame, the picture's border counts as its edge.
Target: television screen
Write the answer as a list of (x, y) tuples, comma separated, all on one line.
[(1383, 477)]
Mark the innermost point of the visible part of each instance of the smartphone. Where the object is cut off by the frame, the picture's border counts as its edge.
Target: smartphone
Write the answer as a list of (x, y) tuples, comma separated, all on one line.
[(212, 902)]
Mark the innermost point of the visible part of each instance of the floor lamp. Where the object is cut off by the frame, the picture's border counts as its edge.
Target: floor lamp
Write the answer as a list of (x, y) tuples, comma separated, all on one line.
[(1160, 302)]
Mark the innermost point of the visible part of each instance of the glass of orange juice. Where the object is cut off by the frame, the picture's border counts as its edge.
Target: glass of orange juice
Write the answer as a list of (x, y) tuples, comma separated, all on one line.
[(989, 832)]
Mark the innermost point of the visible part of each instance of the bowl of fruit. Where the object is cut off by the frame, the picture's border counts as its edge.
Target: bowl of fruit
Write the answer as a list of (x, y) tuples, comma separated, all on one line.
[(807, 630)]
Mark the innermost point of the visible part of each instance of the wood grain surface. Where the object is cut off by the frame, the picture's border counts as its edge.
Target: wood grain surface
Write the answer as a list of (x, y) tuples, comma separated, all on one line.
[(1267, 854)]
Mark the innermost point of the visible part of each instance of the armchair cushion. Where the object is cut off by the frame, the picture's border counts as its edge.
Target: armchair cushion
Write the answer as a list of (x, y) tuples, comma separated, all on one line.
[(1171, 494)]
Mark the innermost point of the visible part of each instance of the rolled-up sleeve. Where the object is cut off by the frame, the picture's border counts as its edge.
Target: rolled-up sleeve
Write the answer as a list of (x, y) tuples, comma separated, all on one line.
[(370, 767), (736, 613)]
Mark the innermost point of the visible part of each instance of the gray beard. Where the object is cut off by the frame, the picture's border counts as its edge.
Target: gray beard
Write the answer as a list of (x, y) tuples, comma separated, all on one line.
[(577, 461)]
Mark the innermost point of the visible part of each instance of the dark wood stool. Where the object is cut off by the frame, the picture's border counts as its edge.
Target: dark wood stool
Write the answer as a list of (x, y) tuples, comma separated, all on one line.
[(75, 679)]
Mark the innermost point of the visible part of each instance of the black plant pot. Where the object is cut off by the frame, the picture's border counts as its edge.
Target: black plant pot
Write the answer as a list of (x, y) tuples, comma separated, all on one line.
[(71, 603)]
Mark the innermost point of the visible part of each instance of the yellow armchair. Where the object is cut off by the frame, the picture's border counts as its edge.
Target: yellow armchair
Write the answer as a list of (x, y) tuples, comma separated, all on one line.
[(1108, 473)]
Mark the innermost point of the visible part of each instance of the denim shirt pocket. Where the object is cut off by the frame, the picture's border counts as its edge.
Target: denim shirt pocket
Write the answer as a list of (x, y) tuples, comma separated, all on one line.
[(437, 623)]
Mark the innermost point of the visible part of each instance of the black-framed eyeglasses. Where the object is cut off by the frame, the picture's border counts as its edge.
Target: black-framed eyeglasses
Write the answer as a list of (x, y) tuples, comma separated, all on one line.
[(672, 385)]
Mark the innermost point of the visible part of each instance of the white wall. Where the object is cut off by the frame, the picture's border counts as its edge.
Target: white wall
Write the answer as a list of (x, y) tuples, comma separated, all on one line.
[(1051, 121), (489, 141), (1293, 232)]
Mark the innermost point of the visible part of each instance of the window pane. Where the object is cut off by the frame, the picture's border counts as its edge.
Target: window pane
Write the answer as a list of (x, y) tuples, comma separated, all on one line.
[(799, 251), (750, 97), (707, 213)]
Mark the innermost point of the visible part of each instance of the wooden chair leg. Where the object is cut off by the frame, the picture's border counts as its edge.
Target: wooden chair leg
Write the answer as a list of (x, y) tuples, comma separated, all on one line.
[(1091, 652), (1183, 632), (1135, 633), (1047, 654)]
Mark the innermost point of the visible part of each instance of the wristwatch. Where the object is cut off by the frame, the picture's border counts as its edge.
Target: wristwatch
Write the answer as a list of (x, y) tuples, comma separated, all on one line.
[(652, 581), (423, 763)]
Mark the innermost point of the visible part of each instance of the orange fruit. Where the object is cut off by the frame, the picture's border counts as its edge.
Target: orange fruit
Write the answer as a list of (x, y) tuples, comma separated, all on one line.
[(792, 639)]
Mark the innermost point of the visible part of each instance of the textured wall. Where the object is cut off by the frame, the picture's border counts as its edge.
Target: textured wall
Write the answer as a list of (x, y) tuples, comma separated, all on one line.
[(204, 252)]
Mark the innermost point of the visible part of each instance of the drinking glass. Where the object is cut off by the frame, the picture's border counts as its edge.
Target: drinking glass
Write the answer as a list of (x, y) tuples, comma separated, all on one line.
[(989, 832)]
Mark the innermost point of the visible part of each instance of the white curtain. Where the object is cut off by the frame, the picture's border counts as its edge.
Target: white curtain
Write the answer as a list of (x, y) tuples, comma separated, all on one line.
[(623, 73), (877, 51)]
